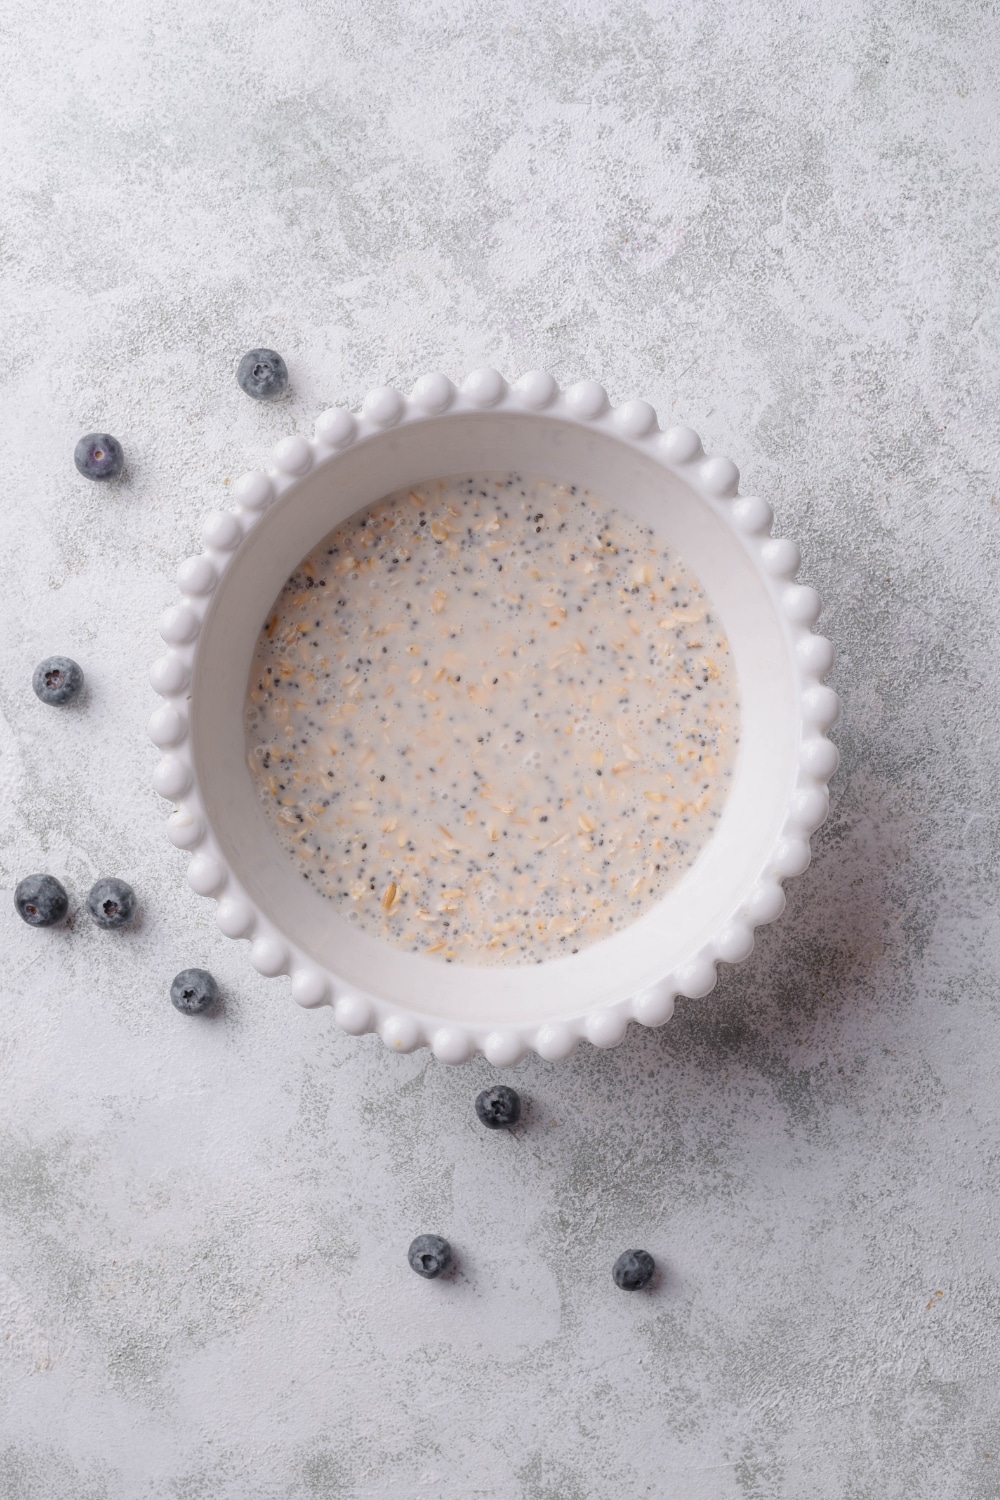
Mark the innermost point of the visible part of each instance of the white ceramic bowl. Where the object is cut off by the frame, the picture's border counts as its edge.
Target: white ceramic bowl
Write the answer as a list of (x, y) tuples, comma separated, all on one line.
[(779, 792)]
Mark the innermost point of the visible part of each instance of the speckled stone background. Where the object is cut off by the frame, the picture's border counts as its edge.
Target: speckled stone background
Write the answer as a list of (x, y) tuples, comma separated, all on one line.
[(777, 221)]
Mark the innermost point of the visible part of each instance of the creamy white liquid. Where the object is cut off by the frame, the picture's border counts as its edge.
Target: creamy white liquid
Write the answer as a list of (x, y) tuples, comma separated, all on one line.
[(492, 719)]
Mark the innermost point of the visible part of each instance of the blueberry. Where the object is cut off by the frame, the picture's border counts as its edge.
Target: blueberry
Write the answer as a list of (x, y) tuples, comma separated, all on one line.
[(633, 1269), (263, 375), (499, 1108), (111, 903), (99, 456), (429, 1255), (40, 900), (57, 680), (194, 991)]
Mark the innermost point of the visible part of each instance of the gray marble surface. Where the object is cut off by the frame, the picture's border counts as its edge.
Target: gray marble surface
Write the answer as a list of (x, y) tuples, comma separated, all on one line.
[(777, 222)]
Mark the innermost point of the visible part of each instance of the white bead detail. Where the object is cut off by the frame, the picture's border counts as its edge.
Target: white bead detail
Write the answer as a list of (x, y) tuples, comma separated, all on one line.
[(485, 387), (254, 491), (310, 988), (816, 654), (293, 455), (171, 777), (555, 1042), (400, 1033), (720, 476), (353, 1015), (735, 944), (821, 706), (269, 956), (655, 1005), (451, 1045), (433, 392), (766, 904), (802, 604), (336, 427), (504, 1048), (820, 757), (383, 405), (697, 978), (167, 727), (185, 829), (753, 515), (234, 917), (205, 875), (606, 1028), (634, 418), (178, 625), (681, 444), (781, 557), (536, 389), (810, 808), (196, 575), (221, 531), (169, 674), (791, 857), (587, 399)]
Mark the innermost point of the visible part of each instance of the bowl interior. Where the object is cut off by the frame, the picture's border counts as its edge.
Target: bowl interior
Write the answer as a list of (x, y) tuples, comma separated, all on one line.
[(675, 929)]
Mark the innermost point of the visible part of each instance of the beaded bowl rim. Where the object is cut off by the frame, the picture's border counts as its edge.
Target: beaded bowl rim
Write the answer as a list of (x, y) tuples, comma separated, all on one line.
[(716, 481)]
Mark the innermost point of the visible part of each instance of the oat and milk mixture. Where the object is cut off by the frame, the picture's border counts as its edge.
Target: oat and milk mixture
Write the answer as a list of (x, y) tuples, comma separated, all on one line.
[(492, 719)]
